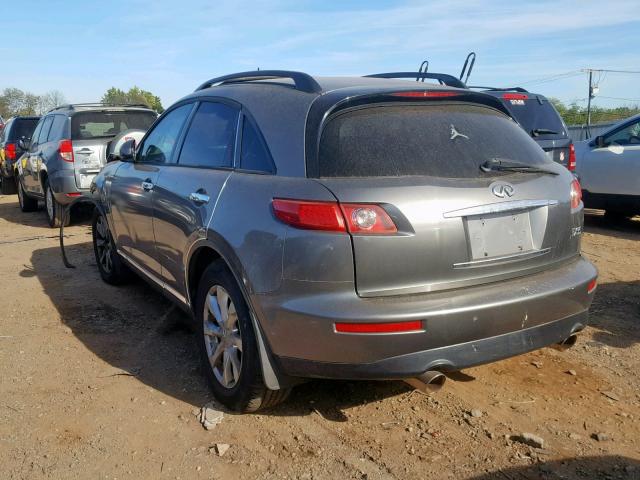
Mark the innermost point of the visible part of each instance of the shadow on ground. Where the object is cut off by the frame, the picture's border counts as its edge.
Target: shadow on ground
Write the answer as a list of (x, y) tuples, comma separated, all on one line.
[(607, 467), (138, 332), (615, 312), (596, 222)]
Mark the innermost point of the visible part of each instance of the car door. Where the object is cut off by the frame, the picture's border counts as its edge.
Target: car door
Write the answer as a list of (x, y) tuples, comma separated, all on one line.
[(35, 159), (614, 167), (185, 195), (133, 188)]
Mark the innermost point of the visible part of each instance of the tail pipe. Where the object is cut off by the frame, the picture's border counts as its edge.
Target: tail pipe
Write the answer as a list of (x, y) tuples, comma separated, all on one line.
[(428, 382), (567, 343)]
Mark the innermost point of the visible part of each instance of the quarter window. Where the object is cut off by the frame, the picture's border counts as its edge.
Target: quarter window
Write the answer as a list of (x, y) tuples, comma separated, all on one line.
[(211, 137), (158, 146), (255, 156), (44, 133), (58, 128)]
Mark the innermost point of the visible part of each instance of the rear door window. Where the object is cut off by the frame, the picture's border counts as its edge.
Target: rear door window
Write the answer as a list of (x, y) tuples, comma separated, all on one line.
[(211, 137), (442, 140), (105, 124)]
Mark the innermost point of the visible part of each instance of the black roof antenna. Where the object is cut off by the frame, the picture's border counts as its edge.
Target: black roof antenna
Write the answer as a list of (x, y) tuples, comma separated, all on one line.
[(424, 65), (471, 57)]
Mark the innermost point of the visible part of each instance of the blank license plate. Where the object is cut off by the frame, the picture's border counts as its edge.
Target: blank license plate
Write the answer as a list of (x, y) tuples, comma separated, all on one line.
[(497, 235)]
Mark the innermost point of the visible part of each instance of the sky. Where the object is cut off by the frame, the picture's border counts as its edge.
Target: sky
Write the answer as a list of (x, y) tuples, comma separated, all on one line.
[(169, 47)]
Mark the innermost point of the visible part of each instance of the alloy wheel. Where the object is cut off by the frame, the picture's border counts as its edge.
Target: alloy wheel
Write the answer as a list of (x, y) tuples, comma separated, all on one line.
[(222, 336), (103, 244)]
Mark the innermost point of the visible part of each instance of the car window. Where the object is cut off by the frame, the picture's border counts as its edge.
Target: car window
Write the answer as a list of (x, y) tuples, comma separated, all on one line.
[(58, 128), (159, 144), (104, 124), (23, 127), (5, 131), (44, 133), (36, 133), (254, 155), (629, 135), (211, 137)]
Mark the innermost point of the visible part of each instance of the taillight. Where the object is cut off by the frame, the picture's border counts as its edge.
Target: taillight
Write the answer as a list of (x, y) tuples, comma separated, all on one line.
[(386, 327), (592, 285), (425, 94), (356, 218), (10, 150), (576, 194), (65, 148), (571, 165), (515, 96)]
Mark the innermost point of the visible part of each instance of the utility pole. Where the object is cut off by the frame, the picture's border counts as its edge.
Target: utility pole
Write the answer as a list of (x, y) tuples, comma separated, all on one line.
[(589, 104)]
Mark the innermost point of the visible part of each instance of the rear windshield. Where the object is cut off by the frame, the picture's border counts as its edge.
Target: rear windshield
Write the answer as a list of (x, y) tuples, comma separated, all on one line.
[(23, 127), (442, 140), (538, 117), (88, 125)]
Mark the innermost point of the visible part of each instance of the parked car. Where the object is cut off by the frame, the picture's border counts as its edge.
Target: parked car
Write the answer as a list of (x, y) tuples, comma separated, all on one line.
[(346, 228), (609, 169), (16, 129), (69, 147)]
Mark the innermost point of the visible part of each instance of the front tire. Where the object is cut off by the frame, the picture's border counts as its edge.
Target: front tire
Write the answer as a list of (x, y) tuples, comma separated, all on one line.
[(27, 204), (111, 267), (55, 212), (228, 345)]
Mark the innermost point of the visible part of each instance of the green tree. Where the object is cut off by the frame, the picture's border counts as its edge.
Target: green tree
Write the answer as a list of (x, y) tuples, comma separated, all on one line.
[(574, 114), (134, 95)]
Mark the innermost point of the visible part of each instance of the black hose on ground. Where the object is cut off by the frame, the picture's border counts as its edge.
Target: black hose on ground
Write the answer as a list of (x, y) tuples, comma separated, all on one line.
[(65, 217)]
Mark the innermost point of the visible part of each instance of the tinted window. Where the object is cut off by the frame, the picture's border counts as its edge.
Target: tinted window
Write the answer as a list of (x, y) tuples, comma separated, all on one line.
[(58, 128), (211, 137), (396, 141), (629, 135), (158, 146), (5, 131), (23, 127), (254, 154), (539, 118), (44, 133), (36, 133), (87, 125)]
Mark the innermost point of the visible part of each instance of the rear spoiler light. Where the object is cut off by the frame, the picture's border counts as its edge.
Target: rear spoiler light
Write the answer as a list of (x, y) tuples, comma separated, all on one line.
[(426, 94), (515, 96)]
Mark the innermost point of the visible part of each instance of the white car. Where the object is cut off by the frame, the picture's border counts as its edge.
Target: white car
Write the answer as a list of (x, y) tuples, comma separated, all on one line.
[(608, 167)]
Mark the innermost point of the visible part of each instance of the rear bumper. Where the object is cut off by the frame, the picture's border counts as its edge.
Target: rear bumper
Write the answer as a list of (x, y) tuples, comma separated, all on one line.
[(63, 183), (461, 328)]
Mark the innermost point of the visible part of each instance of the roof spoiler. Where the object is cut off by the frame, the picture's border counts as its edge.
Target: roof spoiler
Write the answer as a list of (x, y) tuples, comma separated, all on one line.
[(302, 81)]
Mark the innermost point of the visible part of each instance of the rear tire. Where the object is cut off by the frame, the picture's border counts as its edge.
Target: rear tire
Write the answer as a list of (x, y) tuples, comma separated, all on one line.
[(55, 212), (27, 204), (8, 186), (111, 267), (228, 345)]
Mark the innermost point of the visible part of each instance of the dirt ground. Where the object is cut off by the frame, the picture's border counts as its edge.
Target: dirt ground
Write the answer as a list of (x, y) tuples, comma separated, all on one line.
[(102, 382)]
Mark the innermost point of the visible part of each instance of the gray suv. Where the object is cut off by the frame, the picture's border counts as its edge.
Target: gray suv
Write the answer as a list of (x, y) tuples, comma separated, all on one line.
[(68, 148), (346, 228)]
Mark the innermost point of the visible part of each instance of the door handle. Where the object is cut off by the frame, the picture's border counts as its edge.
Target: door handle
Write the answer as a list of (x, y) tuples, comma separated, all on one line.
[(199, 198), (86, 151), (147, 185)]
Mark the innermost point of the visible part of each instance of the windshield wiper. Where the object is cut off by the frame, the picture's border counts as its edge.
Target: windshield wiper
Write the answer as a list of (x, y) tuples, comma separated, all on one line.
[(500, 165), (536, 132)]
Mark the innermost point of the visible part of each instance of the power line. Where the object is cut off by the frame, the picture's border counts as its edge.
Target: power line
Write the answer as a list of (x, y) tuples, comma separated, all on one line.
[(620, 98), (604, 70)]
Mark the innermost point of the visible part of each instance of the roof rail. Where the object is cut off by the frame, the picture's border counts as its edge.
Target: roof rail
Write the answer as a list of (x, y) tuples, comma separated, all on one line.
[(443, 78), (506, 89), (302, 81), (72, 106), (471, 57)]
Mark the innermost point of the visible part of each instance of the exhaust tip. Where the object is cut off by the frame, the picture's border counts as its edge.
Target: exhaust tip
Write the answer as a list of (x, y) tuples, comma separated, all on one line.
[(428, 382), (567, 343)]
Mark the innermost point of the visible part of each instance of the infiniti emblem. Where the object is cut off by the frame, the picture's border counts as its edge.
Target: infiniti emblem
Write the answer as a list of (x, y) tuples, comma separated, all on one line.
[(502, 190)]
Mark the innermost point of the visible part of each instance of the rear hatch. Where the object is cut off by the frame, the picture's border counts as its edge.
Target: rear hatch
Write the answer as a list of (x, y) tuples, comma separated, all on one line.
[(457, 224), (92, 132), (541, 120)]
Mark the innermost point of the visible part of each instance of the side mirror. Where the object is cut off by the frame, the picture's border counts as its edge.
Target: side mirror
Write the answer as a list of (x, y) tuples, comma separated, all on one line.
[(127, 151), (599, 141), (24, 143)]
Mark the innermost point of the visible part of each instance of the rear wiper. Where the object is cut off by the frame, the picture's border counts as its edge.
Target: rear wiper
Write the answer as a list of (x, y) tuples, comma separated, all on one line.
[(500, 165), (536, 132)]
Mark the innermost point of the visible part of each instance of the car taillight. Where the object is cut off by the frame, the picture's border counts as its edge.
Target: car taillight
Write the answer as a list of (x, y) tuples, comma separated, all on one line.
[(576, 194), (65, 148), (10, 150), (515, 96), (593, 284), (356, 218), (571, 165), (425, 94)]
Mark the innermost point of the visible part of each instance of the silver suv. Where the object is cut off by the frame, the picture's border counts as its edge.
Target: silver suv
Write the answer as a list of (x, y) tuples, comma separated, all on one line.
[(354, 228), (68, 148)]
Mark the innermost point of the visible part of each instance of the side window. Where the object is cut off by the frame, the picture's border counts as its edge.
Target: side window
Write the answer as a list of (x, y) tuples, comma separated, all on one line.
[(44, 133), (629, 135), (254, 155), (36, 134), (58, 128), (5, 132), (159, 144), (211, 137)]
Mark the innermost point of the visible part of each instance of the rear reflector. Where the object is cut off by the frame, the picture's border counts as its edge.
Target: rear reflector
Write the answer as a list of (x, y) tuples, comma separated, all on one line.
[(393, 327), (571, 165), (10, 150), (576, 194), (65, 148), (310, 215), (515, 96), (592, 285), (425, 94)]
